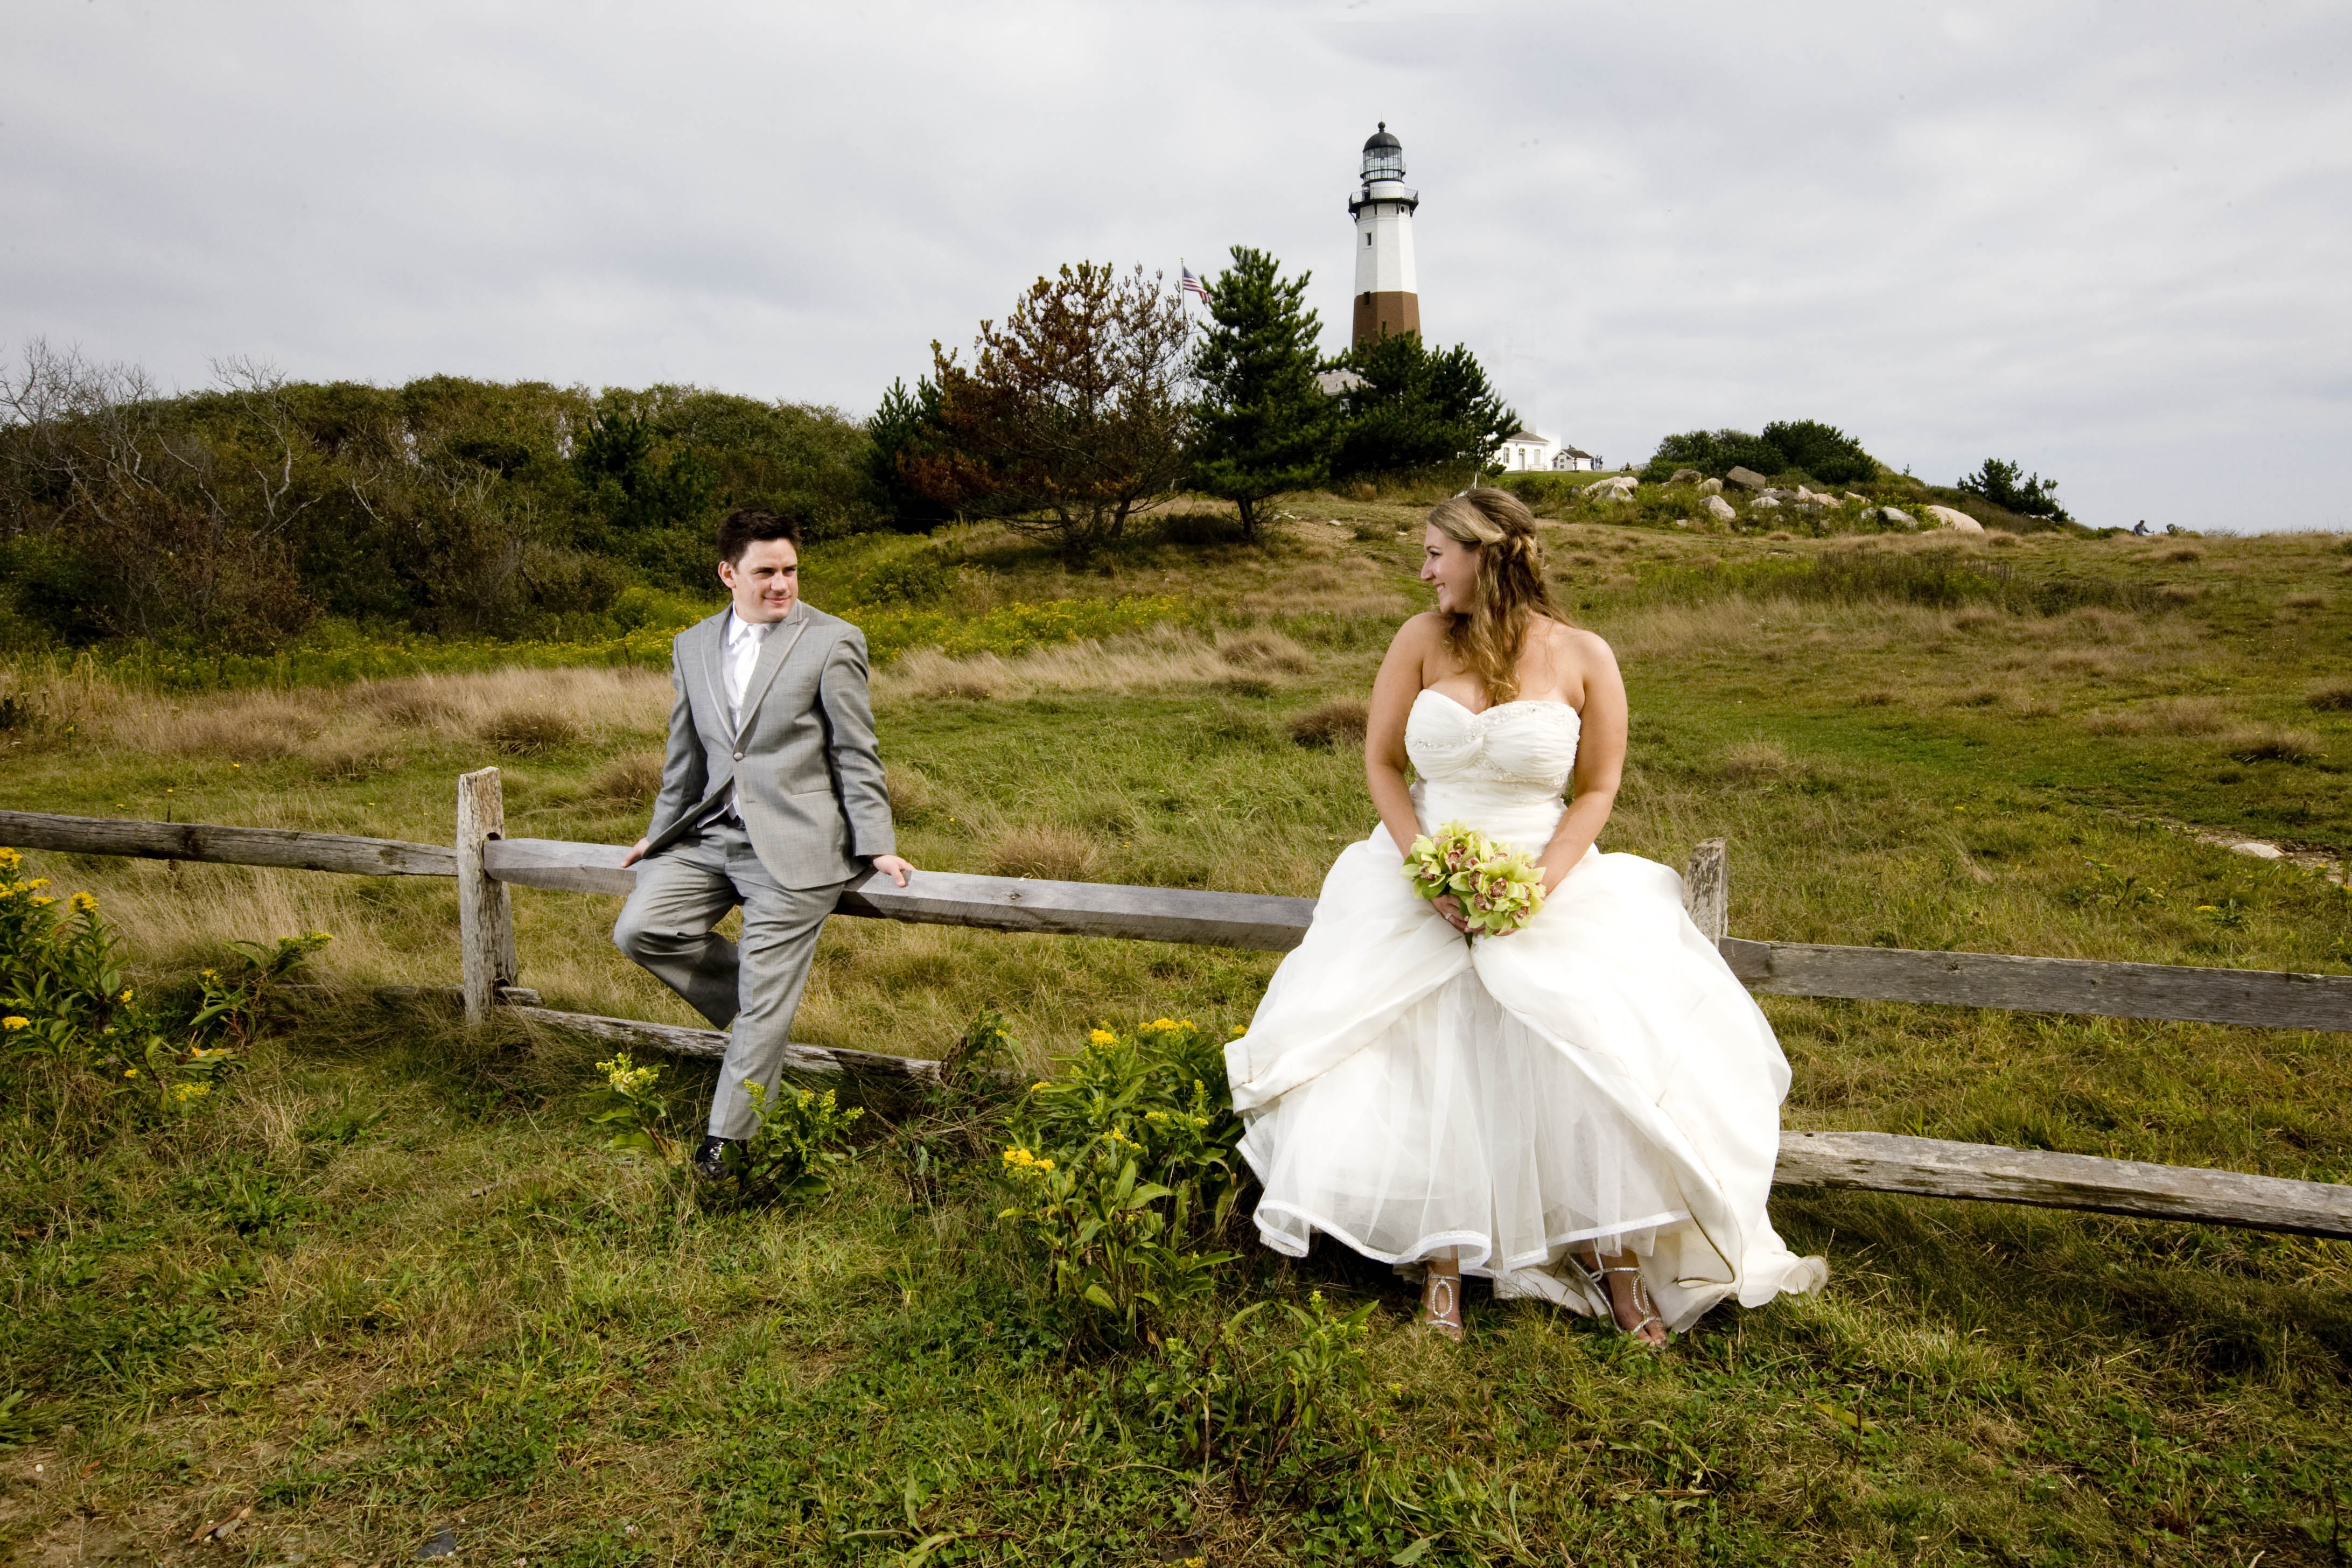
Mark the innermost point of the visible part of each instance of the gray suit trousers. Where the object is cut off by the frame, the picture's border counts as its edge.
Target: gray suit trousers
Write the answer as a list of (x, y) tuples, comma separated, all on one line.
[(752, 990)]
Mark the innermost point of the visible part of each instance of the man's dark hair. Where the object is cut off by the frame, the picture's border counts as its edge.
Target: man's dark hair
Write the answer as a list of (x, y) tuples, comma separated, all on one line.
[(740, 529)]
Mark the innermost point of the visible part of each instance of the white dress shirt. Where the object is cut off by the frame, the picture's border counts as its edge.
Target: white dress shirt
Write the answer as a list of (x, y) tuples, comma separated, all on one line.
[(743, 641)]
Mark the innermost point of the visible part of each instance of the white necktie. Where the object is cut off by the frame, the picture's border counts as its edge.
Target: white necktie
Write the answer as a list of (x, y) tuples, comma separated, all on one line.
[(743, 644)]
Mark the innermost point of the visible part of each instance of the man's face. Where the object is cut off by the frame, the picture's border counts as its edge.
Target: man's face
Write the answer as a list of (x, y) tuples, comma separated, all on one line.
[(766, 582)]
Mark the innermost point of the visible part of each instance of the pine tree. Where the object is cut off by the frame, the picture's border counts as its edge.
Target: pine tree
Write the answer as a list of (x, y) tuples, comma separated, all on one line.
[(1263, 427), (1415, 410)]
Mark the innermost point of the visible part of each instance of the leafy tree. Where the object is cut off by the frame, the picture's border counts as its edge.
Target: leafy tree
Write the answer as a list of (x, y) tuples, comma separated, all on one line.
[(904, 430), (1069, 418), (1262, 424), (1821, 452), (2005, 485), (1416, 410)]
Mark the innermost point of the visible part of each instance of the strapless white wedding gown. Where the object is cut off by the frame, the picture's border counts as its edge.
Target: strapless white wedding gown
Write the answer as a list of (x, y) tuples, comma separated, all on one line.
[(1598, 1076)]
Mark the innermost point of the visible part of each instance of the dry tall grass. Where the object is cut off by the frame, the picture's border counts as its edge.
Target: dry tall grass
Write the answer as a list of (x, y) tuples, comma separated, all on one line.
[(1168, 657)]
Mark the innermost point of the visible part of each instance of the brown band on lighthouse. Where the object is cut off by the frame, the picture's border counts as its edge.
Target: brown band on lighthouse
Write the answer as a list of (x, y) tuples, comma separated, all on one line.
[(1388, 314)]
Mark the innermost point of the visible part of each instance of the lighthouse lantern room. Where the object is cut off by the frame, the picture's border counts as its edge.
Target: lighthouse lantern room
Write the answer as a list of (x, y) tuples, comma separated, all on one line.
[(1388, 299)]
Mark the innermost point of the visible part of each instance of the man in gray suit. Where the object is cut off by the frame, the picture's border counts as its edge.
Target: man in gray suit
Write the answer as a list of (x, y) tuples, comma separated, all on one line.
[(771, 797)]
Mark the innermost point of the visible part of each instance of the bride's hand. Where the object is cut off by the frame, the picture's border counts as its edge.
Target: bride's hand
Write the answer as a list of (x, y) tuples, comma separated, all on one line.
[(1450, 907)]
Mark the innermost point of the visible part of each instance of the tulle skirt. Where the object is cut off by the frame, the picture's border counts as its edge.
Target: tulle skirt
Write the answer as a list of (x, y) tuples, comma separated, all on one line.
[(1596, 1081)]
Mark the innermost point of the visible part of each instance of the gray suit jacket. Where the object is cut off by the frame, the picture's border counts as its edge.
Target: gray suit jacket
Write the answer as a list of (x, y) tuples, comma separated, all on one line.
[(802, 768)]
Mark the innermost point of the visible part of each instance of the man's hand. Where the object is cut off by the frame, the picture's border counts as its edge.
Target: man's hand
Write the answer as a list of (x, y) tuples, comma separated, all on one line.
[(893, 867), (636, 853)]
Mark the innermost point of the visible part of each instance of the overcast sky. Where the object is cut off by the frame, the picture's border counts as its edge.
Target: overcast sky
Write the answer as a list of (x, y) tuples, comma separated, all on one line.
[(2109, 241)]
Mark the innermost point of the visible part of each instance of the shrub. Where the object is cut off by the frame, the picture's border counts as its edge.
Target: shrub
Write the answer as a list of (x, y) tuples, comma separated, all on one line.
[(1123, 1167)]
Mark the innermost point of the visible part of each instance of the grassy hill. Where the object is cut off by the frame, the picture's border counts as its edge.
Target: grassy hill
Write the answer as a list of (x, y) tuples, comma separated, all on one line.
[(392, 1282)]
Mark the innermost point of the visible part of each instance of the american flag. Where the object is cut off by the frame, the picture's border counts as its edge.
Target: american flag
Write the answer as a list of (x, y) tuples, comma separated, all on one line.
[(1192, 285)]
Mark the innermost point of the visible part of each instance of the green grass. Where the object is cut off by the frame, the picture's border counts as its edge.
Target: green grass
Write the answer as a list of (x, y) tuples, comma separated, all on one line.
[(392, 1282)]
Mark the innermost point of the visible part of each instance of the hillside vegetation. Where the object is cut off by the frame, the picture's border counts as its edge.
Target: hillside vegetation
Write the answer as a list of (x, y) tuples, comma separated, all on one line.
[(384, 1278)]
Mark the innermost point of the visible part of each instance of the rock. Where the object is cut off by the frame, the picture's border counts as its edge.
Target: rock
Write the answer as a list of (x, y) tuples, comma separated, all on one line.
[(1711, 486), (1851, 496), (1750, 478), (443, 1544), (1772, 501), (1615, 481), (2258, 850), (1959, 521), (1813, 498), (1684, 476), (1893, 514), (1719, 509)]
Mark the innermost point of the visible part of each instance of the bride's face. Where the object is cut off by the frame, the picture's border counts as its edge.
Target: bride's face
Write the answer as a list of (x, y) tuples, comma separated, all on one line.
[(1453, 566)]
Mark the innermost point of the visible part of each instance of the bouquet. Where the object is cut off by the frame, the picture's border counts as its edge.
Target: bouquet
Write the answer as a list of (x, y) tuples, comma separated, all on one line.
[(1500, 888)]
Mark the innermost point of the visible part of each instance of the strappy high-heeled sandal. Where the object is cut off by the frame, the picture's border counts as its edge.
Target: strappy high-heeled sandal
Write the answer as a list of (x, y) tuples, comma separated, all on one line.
[(1642, 1304), (1441, 1304)]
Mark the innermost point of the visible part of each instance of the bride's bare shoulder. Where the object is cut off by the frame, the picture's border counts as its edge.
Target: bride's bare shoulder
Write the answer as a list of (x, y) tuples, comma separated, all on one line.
[(1586, 647)]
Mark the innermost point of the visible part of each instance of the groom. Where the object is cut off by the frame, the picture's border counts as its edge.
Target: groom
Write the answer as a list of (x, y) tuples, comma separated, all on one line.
[(770, 798)]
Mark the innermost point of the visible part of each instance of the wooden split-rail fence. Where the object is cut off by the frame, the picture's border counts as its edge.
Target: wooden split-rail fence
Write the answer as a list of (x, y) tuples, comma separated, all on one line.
[(486, 864)]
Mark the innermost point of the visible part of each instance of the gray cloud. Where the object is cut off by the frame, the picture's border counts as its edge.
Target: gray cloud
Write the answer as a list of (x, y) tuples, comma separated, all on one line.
[(2103, 240)]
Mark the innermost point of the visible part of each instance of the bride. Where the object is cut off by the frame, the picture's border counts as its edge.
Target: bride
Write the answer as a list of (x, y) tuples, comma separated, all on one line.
[(1586, 1110)]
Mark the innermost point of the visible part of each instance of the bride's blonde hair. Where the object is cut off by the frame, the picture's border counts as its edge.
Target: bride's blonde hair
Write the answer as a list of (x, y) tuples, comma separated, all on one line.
[(1510, 591)]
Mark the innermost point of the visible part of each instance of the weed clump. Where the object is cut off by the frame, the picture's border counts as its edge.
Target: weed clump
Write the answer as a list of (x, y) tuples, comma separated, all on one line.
[(2271, 742), (1046, 851), (1334, 724), (2331, 695), (529, 732)]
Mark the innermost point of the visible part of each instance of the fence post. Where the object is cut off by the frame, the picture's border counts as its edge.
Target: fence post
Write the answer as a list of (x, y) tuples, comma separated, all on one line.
[(486, 939), (1707, 889)]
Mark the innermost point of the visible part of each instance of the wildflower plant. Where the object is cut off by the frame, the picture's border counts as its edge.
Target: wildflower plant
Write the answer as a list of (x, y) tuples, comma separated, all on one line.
[(1124, 1171), (77, 1040), (632, 1108), (796, 1153)]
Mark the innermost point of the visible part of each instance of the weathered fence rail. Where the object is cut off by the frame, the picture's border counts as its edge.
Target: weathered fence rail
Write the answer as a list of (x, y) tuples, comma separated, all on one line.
[(485, 864)]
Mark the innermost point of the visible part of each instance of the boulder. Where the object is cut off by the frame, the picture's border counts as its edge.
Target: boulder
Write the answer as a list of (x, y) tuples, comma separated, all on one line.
[(1851, 496), (2260, 850), (1772, 501), (1615, 481), (1750, 478), (1719, 509), (1813, 498), (1893, 514), (1710, 487), (1684, 476), (1957, 521)]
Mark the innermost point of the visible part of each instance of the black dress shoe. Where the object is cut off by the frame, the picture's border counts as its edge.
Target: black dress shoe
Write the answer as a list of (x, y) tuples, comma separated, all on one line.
[(711, 1160)]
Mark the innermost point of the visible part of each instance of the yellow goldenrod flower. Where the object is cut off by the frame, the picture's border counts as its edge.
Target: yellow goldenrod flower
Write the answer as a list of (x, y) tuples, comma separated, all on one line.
[(1163, 1023), (10, 859), (12, 1023), (37, 884), (209, 975), (126, 993), (85, 903), (1103, 1037), (42, 903)]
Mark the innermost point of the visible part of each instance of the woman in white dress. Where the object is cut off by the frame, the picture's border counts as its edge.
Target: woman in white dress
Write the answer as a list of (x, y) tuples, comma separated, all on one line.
[(1586, 1110)]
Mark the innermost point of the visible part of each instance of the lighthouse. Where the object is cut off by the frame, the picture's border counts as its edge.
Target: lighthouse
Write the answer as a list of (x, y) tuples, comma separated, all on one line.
[(1388, 298)]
